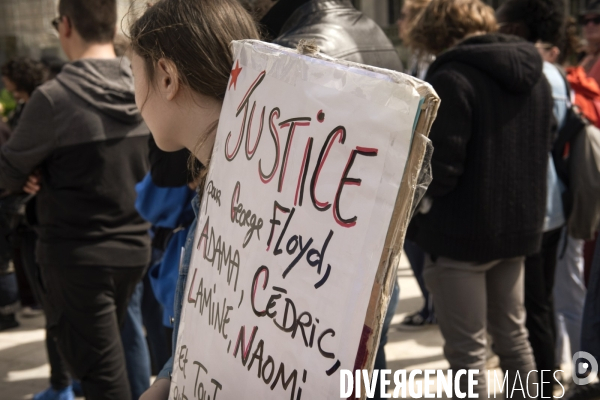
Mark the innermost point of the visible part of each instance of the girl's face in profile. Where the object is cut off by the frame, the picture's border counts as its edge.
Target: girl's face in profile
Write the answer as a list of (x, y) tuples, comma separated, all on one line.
[(158, 113)]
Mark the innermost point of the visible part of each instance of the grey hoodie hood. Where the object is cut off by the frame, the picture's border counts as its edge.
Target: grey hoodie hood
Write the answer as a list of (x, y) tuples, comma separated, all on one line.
[(106, 84)]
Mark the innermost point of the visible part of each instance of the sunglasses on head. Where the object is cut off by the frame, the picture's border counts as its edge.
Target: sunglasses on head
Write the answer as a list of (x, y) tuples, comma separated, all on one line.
[(586, 20)]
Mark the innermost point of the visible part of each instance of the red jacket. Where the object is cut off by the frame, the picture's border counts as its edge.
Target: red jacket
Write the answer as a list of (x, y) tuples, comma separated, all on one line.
[(587, 93)]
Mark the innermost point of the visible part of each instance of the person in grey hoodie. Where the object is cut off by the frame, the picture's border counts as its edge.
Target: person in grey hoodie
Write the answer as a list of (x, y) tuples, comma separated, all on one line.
[(82, 145)]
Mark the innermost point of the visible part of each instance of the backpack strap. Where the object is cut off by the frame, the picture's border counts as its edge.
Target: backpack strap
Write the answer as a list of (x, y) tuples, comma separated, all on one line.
[(567, 86)]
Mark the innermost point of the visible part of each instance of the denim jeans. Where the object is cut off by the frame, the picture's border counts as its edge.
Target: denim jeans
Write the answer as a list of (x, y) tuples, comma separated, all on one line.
[(569, 294), (416, 258), (9, 293), (380, 361), (135, 347), (156, 333)]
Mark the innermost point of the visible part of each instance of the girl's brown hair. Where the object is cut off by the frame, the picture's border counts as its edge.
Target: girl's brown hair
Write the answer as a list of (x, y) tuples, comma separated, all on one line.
[(195, 35), (445, 22)]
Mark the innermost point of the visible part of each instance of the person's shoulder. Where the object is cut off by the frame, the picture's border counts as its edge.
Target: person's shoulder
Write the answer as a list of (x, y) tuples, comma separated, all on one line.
[(452, 72), (553, 73), (555, 78), (338, 28), (52, 90)]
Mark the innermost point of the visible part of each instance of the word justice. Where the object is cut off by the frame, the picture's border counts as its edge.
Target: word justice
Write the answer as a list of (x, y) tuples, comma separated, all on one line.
[(281, 158)]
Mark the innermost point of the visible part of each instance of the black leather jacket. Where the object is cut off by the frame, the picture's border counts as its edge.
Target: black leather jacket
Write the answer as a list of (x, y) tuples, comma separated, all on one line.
[(341, 31)]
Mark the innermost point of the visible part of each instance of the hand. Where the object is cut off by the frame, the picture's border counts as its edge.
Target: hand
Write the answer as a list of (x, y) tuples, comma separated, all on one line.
[(32, 186), (158, 391)]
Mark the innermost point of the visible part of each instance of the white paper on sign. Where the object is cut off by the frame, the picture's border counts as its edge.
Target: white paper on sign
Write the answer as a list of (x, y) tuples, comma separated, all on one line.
[(304, 176)]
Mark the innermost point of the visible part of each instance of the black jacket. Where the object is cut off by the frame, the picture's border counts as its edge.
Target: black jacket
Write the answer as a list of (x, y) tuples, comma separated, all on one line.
[(340, 30), (86, 135), (491, 141), (169, 169)]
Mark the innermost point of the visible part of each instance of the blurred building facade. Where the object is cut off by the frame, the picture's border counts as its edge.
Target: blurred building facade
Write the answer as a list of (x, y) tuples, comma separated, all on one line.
[(386, 12), (26, 29)]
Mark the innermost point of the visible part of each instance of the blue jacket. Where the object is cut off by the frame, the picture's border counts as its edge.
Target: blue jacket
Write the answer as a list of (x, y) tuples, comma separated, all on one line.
[(166, 208), (180, 288)]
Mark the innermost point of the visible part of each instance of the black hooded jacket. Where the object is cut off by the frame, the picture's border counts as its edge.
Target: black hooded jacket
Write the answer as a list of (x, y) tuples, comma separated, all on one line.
[(85, 134), (491, 142)]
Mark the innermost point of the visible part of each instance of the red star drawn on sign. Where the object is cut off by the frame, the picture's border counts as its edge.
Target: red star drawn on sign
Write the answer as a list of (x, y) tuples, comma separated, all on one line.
[(234, 75)]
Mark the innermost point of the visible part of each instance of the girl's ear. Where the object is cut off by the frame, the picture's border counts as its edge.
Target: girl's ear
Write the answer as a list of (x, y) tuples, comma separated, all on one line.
[(167, 79)]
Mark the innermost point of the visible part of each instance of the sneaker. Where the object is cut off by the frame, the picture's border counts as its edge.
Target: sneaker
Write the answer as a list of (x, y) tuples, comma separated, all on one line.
[(583, 392), (31, 312), (415, 322), (8, 322), (51, 394)]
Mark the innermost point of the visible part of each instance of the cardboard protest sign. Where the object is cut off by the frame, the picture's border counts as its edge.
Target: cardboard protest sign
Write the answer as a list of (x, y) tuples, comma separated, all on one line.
[(301, 217)]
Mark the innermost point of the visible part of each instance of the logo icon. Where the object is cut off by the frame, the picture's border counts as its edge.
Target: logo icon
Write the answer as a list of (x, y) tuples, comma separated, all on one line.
[(584, 362)]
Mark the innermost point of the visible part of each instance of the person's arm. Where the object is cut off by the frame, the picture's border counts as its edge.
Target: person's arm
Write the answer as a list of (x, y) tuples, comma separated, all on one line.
[(450, 132), (29, 145), (158, 391)]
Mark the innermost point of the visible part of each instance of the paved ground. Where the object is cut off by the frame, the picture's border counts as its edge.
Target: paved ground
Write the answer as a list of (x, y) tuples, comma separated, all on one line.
[(24, 370)]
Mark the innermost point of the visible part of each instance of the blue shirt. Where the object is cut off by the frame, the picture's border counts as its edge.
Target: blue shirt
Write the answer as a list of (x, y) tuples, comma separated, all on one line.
[(554, 207)]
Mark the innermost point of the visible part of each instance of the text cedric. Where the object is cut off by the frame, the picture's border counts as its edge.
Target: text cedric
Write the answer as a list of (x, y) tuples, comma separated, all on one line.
[(420, 384)]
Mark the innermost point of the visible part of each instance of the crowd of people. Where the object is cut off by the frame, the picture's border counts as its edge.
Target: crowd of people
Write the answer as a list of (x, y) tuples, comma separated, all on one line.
[(103, 156)]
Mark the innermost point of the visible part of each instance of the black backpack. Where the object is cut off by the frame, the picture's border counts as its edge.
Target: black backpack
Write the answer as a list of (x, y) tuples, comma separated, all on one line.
[(576, 156)]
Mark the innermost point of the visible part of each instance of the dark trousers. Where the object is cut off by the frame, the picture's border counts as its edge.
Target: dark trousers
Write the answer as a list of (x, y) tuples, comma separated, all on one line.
[(86, 306), (416, 258), (59, 377), (9, 293), (539, 305)]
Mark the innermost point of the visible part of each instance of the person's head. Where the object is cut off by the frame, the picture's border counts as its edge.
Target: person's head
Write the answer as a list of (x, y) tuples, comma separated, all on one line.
[(84, 23), (570, 44), (408, 15), (22, 76), (567, 47), (182, 60), (259, 8), (534, 20), (548, 51), (590, 23), (54, 65), (444, 23)]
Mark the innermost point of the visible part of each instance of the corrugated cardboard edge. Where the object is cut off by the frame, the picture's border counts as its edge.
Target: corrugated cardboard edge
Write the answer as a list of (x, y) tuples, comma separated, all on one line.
[(390, 258)]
